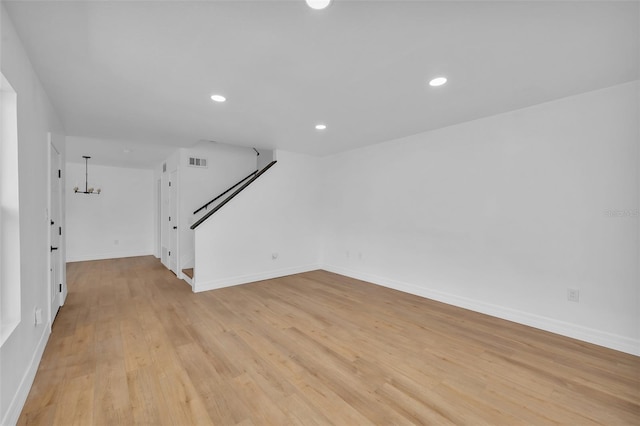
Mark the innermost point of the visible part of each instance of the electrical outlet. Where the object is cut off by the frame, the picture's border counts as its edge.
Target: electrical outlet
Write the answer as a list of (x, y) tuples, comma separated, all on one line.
[(573, 295)]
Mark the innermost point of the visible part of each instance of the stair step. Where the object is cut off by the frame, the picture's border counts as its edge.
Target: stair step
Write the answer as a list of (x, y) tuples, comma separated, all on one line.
[(188, 272)]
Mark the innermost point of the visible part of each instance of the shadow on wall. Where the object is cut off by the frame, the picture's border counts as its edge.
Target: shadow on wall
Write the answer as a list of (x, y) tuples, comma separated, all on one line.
[(265, 156)]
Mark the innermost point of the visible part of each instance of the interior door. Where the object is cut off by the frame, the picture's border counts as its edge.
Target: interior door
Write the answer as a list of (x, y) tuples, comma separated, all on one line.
[(158, 221), (173, 223), (55, 272)]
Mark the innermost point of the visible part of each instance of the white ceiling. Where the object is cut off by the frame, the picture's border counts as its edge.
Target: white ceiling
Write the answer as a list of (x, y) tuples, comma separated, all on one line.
[(143, 71), (113, 152)]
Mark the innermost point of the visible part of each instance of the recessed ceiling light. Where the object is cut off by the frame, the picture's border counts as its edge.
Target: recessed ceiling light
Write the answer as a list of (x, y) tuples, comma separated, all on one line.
[(127, 150), (438, 81), (218, 98), (321, 126), (318, 4)]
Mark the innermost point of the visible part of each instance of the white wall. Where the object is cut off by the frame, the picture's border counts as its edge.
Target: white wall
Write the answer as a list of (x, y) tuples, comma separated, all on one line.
[(266, 156), (278, 213), (21, 353), (226, 165), (502, 215), (116, 223)]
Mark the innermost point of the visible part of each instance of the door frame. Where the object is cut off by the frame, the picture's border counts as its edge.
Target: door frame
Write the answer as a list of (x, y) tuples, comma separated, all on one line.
[(158, 218)]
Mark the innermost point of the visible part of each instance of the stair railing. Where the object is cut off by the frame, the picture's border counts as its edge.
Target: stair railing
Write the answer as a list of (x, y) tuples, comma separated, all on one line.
[(256, 175), (224, 193)]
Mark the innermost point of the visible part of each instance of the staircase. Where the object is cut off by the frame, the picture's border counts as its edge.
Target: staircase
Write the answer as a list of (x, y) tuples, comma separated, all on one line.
[(187, 275), (217, 203)]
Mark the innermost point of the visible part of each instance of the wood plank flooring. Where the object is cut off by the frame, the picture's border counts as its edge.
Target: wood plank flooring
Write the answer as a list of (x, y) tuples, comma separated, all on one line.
[(134, 345)]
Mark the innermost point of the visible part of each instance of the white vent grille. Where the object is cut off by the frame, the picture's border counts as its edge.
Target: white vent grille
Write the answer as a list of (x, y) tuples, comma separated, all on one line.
[(197, 162)]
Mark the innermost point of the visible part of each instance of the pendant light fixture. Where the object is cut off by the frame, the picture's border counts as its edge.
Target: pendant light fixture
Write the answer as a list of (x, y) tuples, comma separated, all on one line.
[(87, 189)]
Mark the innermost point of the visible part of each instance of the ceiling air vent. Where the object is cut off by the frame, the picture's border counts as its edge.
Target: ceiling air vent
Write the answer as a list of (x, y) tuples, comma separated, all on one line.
[(197, 162)]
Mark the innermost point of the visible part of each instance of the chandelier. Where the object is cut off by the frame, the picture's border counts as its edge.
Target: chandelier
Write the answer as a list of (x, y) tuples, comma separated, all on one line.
[(87, 189)]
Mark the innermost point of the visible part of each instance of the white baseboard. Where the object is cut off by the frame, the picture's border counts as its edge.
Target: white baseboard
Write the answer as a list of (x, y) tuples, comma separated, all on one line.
[(187, 280), (17, 403), (112, 255), (598, 337), (245, 279)]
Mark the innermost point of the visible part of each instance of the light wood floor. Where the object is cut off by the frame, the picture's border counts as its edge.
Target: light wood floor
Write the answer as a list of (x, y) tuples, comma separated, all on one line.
[(134, 345)]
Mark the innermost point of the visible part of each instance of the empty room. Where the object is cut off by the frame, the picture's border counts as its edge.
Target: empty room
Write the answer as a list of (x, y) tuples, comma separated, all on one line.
[(319, 212)]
